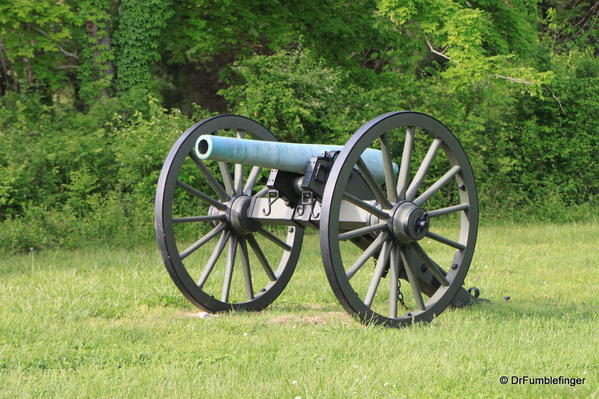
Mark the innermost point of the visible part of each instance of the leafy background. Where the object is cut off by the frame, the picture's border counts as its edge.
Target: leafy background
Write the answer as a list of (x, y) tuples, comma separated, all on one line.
[(93, 93)]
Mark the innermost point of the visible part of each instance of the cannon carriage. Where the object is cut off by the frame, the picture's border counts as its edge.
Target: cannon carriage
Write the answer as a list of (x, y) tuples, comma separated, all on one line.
[(376, 201)]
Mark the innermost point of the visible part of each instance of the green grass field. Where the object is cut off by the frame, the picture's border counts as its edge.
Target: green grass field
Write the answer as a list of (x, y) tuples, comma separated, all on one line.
[(110, 323)]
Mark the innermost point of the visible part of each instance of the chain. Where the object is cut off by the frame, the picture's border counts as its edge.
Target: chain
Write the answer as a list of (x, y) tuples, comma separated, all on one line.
[(400, 295)]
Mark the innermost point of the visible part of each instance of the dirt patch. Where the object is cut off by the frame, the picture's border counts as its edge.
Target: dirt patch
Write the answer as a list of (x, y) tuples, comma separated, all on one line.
[(316, 319), (314, 306), (197, 315)]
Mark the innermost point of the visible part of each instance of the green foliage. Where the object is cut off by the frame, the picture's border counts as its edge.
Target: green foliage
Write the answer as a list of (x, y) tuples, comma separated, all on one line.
[(96, 70), (35, 41), (558, 143), (69, 178), (81, 142), (571, 26), (209, 28), (296, 95), (140, 24)]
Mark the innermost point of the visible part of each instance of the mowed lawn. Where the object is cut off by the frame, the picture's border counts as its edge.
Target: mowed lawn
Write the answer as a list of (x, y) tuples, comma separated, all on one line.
[(110, 323)]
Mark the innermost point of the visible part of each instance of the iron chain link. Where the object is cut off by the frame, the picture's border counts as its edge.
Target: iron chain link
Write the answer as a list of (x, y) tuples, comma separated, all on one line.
[(400, 297)]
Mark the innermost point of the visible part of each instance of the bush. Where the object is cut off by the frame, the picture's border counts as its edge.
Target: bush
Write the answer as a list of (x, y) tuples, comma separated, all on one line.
[(70, 179), (296, 95), (534, 154)]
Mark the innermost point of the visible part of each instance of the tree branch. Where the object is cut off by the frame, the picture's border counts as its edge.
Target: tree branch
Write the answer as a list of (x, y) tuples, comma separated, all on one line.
[(432, 49), (67, 66), (58, 46), (556, 99), (509, 78), (515, 80)]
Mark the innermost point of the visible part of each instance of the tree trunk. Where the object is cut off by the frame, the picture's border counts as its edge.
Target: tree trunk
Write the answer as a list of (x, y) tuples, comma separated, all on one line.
[(102, 63), (5, 71)]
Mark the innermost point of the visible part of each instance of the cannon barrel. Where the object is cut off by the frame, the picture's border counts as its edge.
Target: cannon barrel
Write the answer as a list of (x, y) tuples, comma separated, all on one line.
[(275, 155)]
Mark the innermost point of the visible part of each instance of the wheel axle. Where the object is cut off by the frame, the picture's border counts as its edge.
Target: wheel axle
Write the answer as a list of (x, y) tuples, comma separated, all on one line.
[(408, 222), (237, 215)]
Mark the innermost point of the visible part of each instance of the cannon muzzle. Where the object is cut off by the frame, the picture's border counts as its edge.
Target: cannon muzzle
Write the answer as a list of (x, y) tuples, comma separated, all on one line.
[(275, 155)]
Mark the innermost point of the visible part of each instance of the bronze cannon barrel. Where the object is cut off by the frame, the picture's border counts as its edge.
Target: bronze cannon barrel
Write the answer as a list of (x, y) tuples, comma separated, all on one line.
[(289, 157)]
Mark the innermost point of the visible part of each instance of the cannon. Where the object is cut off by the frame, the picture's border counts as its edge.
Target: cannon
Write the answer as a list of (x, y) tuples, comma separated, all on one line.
[(396, 204)]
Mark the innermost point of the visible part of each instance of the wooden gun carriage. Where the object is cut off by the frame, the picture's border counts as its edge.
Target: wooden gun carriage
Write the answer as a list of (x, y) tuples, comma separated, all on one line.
[(376, 201)]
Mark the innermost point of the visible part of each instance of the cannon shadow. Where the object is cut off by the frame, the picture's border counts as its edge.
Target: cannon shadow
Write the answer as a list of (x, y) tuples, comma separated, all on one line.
[(537, 308)]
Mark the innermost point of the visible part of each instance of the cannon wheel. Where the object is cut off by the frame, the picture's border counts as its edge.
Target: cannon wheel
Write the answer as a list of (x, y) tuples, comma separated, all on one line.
[(399, 225), (215, 211)]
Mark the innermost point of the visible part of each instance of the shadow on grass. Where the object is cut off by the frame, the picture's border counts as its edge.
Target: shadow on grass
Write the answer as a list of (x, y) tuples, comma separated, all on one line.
[(496, 310), (288, 307), (547, 309)]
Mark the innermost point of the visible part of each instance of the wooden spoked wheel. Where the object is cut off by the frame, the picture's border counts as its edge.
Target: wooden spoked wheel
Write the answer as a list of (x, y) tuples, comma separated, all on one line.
[(218, 258), (421, 229)]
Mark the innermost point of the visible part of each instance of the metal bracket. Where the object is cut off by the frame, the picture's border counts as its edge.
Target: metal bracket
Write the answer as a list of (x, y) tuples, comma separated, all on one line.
[(308, 199), (316, 174), (467, 297), (271, 200)]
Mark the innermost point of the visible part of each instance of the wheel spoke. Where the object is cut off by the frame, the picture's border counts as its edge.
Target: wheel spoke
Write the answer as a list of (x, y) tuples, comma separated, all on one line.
[(361, 231), (261, 193), (201, 195), (202, 241), (393, 279), (274, 238), (374, 187), (251, 181), (224, 297), (449, 209), (218, 268), (404, 168), (388, 164), (368, 252), (238, 184), (238, 172), (413, 279), (378, 272), (436, 186), (199, 219), (218, 249), (421, 173), (434, 268), (218, 189), (446, 241), (227, 179), (366, 206), (260, 255), (245, 267)]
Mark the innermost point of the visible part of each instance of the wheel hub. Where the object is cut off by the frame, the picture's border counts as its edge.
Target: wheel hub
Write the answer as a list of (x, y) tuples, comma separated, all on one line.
[(212, 211), (408, 222), (237, 215)]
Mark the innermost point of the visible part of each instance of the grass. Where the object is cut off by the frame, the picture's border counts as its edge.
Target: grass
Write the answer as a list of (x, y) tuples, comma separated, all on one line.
[(109, 323)]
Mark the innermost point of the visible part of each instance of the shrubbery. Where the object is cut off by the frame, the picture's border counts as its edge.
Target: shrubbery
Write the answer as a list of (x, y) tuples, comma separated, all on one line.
[(70, 178), (535, 153), (82, 141)]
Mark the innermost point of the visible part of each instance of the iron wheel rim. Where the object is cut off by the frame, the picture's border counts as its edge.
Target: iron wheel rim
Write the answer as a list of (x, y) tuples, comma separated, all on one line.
[(333, 195), (165, 236)]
